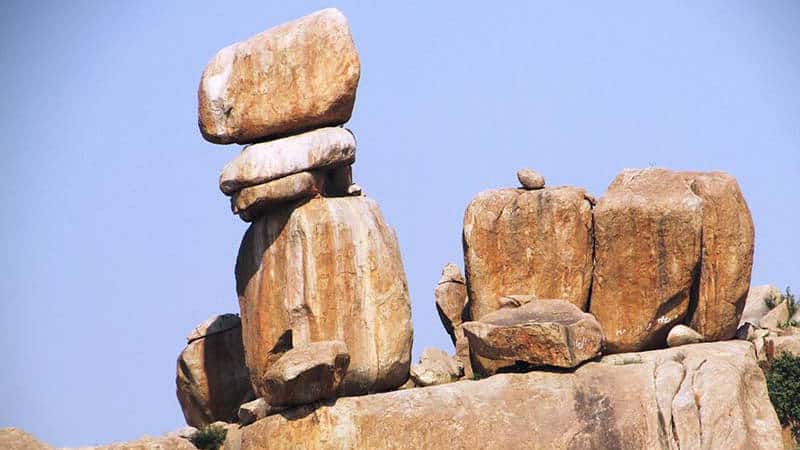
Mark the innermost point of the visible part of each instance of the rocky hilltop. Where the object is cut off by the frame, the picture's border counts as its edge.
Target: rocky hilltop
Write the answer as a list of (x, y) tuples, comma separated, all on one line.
[(624, 322)]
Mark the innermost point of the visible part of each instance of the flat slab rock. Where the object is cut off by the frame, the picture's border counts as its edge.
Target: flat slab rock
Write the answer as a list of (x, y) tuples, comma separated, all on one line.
[(540, 332), (703, 396)]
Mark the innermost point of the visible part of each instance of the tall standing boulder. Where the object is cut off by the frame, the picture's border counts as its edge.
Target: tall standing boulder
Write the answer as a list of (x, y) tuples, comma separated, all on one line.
[(293, 77), (327, 269), (647, 255), (536, 242), (212, 379), (727, 257)]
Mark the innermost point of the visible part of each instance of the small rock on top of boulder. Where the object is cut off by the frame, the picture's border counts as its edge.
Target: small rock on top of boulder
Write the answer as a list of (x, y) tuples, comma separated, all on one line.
[(435, 367), (683, 335), (530, 179)]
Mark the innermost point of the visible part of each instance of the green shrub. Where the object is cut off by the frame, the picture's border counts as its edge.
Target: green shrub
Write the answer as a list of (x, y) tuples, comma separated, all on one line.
[(209, 437), (783, 383)]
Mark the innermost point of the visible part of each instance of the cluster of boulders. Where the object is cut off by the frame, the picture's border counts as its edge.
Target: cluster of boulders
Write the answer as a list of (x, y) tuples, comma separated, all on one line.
[(771, 321)]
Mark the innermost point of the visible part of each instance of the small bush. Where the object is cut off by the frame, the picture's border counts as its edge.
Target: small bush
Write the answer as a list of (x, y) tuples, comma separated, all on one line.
[(783, 383), (209, 437)]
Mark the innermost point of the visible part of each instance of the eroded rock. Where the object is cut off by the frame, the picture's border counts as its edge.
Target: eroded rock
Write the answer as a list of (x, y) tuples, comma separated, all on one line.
[(435, 367), (451, 299), (306, 374)]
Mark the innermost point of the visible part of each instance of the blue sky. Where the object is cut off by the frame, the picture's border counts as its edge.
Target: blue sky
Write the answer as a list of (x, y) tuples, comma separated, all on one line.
[(117, 240)]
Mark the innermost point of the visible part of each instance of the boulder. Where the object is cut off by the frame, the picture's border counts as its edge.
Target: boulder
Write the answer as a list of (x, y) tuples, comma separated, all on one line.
[(777, 317), (451, 299), (257, 410), (727, 255), (259, 163), (530, 179), (755, 306), (683, 335), (527, 242), (328, 269), (306, 374), (212, 379), (540, 333), (647, 254), (698, 396), (775, 346), (253, 201), (14, 438), (435, 367), (293, 77)]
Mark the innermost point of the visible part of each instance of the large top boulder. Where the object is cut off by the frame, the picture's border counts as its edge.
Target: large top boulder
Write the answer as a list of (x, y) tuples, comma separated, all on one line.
[(727, 257), (327, 269), (536, 242), (296, 76), (704, 396), (647, 251)]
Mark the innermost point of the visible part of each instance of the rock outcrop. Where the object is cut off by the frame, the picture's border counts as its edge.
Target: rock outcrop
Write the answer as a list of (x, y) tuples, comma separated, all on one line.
[(328, 269), (296, 76), (698, 396), (540, 333), (536, 242), (435, 367), (212, 379), (306, 373), (647, 256)]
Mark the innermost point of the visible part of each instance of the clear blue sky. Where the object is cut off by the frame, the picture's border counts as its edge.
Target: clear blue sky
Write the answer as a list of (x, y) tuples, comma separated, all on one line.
[(117, 241)]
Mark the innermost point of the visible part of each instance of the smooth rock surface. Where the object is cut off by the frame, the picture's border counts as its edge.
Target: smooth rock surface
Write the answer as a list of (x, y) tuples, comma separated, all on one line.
[(704, 396), (435, 367), (683, 335), (647, 254), (307, 373), (212, 379), (541, 333), (329, 269), (267, 161), (530, 179), (727, 256), (296, 76), (527, 242), (451, 299), (755, 306)]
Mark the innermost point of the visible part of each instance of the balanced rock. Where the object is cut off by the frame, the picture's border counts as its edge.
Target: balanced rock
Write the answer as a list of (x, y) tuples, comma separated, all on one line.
[(296, 76), (647, 251), (212, 379), (267, 161), (530, 179), (540, 333), (527, 242), (328, 269), (757, 303), (704, 396), (451, 299), (251, 202), (435, 367), (257, 410), (683, 335), (727, 261), (307, 373)]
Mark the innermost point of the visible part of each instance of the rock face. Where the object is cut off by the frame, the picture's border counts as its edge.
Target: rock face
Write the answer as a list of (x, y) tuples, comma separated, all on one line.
[(756, 304), (212, 379), (699, 396), (727, 258), (435, 367), (451, 299), (328, 269), (14, 438), (647, 253), (307, 373), (293, 77), (683, 335), (253, 201), (540, 333), (259, 163), (527, 242)]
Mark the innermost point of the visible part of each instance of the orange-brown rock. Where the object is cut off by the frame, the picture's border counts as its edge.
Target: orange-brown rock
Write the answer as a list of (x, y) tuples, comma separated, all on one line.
[(212, 379), (703, 396), (647, 254), (451, 299), (307, 373), (328, 269), (536, 242), (727, 257), (293, 77)]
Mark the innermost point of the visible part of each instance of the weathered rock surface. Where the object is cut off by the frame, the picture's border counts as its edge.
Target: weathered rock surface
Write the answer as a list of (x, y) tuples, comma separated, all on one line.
[(293, 77), (540, 333), (451, 299), (257, 410), (704, 396), (14, 438), (683, 335), (212, 379), (777, 345), (259, 163), (307, 373), (527, 242), (329, 269), (530, 179), (727, 259), (755, 306), (776, 317), (647, 252), (251, 202), (435, 367)]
